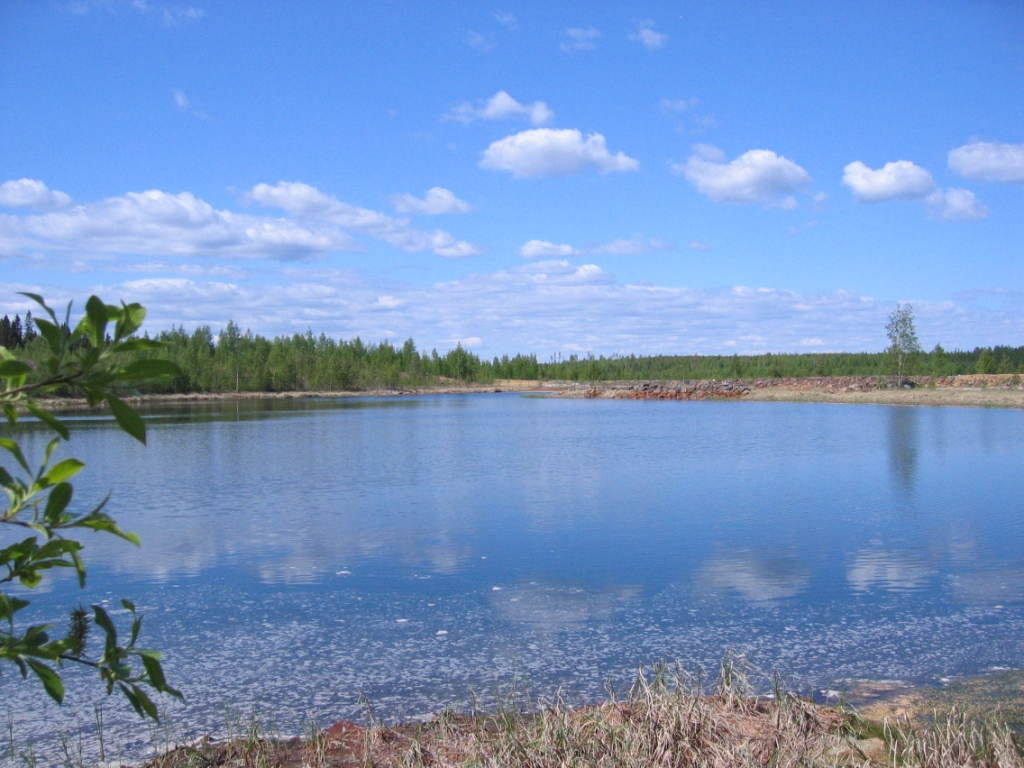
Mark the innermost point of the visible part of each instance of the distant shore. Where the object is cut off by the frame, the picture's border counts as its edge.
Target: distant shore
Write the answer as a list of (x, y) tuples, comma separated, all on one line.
[(976, 390)]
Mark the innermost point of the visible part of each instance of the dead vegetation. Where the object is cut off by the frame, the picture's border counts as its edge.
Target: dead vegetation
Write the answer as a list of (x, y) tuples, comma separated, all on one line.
[(666, 720)]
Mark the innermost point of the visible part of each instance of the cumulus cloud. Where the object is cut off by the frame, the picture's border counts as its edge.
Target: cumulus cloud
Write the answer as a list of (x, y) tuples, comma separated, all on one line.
[(501, 106), (647, 37), (548, 152), (437, 201), (955, 205), (156, 223), (757, 176), (896, 180), (536, 249), (579, 39), (904, 180), (989, 161), (30, 193)]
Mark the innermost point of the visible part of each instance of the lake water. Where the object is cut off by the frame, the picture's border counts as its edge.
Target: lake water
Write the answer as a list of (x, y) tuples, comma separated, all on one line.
[(308, 555)]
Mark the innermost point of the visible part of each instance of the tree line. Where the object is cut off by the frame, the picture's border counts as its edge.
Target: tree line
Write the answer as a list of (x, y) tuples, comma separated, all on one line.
[(246, 362)]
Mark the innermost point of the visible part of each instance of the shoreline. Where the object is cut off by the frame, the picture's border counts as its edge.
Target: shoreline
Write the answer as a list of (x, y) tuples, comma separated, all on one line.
[(972, 391)]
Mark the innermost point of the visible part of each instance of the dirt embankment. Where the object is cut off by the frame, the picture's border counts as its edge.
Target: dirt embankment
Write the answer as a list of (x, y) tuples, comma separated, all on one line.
[(991, 390)]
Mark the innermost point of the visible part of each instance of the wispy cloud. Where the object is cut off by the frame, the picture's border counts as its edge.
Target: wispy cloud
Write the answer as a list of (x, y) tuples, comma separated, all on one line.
[(647, 37), (579, 39), (438, 200), (182, 102), (507, 20), (500, 106), (479, 41)]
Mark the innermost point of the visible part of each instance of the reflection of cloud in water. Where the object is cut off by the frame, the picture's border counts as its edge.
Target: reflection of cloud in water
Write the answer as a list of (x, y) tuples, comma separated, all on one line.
[(990, 586), (755, 578), (555, 607), (894, 571)]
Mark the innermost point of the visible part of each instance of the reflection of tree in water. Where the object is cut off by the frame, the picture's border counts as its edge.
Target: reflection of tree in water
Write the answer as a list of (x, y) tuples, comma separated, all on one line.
[(903, 439)]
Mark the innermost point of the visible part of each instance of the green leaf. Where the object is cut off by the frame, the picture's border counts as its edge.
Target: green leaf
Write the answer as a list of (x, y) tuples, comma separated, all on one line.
[(127, 418), (39, 300), (12, 447), (98, 521), (51, 680), (10, 606), (58, 501), (49, 420), (104, 622), (139, 701), (154, 671), (5, 478), (149, 369), (131, 318), (50, 332), (79, 569), (12, 369), (96, 311), (61, 471)]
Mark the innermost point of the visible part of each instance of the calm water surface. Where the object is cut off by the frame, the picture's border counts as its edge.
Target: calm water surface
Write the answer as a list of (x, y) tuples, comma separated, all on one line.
[(302, 554)]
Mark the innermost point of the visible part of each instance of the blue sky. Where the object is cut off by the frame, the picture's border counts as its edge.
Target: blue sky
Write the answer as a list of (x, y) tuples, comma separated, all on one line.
[(708, 177)]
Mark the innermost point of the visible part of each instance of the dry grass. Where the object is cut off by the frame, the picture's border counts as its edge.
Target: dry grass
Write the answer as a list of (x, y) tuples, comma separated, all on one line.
[(665, 721)]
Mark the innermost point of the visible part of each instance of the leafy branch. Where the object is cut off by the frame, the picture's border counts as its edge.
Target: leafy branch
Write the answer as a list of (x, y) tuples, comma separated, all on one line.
[(90, 360)]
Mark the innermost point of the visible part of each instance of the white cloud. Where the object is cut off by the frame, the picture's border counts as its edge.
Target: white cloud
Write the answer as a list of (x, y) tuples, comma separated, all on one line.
[(182, 102), (678, 105), (156, 223), (633, 246), (547, 152), (646, 36), (904, 180), (310, 204), (541, 306), (437, 201), (507, 20), (501, 106), (30, 193), (757, 176), (536, 249), (989, 161), (580, 39), (479, 42), (699, 246), (900, 179), (955, 205)]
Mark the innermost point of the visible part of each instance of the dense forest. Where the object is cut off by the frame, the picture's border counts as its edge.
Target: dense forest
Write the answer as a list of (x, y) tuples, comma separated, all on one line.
[(234, 361)]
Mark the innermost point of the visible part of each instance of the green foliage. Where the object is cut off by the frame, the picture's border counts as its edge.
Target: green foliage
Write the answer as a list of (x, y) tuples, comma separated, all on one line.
[(986, 362), (91, 361)]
